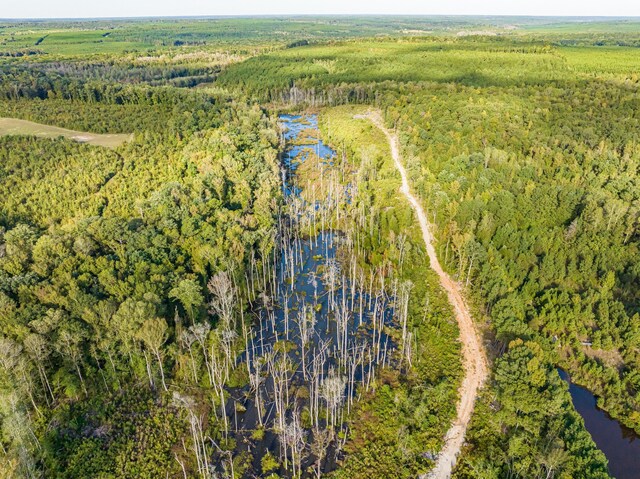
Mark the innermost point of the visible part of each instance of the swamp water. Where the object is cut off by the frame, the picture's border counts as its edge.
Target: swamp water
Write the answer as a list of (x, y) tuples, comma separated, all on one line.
[(620, 444), (320, 333)]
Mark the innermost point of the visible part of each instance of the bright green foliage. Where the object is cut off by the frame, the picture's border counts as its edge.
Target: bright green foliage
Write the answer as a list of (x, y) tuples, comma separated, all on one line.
[(103, 258), (522, 146), (189, 293), (269, 463), (132, 436), (393, 428), (528, 429), (350, 71), (540, 215), (48, 181)]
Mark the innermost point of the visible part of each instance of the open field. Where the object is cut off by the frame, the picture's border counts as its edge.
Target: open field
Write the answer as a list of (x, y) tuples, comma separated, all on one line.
[(13, 126), (91, 38)]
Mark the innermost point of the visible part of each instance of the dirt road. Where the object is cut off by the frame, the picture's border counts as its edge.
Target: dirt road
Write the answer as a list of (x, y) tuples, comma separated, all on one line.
[(474, 357)]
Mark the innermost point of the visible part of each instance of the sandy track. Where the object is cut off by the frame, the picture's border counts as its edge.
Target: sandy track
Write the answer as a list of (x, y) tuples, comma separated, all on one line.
[(474, 357)]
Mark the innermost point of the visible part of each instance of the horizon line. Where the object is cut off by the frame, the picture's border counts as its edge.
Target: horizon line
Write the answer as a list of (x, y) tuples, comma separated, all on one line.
[(312, 15)]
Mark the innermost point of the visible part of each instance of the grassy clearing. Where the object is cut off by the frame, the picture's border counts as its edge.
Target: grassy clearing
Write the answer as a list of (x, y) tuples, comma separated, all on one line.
[(603, 61), (13, 126)]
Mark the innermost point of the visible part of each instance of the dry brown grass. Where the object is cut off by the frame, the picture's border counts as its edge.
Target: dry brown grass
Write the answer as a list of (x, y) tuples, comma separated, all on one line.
[(611, 358)]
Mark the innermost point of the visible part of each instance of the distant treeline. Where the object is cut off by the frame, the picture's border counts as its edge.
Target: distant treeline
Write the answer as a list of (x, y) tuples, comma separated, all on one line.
[(106, 107)]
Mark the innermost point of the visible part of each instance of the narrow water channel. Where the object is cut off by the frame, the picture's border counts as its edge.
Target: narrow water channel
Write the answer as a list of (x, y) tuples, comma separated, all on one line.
[(620, 444)]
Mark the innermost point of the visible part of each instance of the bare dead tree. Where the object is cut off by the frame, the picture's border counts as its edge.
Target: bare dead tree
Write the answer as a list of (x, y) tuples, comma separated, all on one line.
[(280, 367), (227, 341), (331, 276), (255, 380), (293, 436), (196, 426), (68, 345), (200, 333), (319, 360), (319, 446), (153, 335), (186, 340), (306, 326), (223, 298), (402, 312), (332, 391), (38, 349)]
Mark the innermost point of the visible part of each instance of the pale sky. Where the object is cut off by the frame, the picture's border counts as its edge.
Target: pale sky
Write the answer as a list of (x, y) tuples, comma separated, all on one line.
[(133, 8)]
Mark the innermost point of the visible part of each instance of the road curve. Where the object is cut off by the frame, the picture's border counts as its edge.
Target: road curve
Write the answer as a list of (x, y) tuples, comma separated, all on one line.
[(474, 357)]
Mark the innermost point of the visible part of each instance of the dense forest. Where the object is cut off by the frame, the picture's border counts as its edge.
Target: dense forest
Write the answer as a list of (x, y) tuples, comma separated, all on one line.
[(527, 158), (240, 291), (103, 254)]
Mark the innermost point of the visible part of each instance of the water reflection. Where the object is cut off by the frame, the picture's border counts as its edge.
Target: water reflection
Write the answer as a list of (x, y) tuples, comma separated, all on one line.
[(620, 444)]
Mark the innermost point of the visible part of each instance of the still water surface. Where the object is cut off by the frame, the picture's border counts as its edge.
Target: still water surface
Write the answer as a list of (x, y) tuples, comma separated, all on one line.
[(620, 444)]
